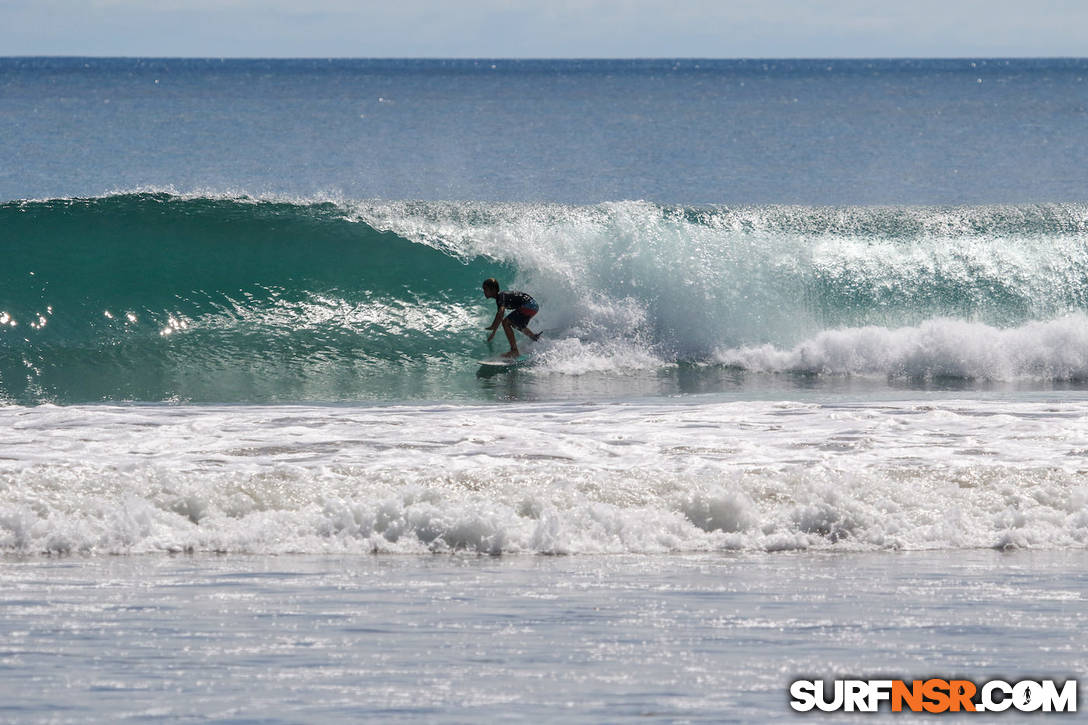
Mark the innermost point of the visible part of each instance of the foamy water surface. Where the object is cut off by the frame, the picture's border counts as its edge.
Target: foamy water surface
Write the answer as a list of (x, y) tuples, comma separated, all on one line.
[(557, 478)]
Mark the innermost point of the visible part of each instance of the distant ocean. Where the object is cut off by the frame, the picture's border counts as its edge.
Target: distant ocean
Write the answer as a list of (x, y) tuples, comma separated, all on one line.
[(811, 398)]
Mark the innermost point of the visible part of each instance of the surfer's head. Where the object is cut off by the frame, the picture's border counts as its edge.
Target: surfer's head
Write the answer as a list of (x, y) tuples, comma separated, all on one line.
[(491, 287)]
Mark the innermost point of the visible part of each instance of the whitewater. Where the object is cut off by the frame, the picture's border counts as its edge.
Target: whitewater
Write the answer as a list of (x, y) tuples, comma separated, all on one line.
[(558, 478)]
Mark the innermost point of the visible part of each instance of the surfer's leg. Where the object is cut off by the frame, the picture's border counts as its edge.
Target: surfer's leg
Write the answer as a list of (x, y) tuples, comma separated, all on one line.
[(509, 330), (520, 319)]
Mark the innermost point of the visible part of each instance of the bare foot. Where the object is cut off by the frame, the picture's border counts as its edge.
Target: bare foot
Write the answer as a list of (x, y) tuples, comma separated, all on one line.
[(511, 354)]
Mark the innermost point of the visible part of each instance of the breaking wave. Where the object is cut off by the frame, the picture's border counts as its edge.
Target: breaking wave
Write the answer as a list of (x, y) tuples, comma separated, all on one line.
[(156, 296)]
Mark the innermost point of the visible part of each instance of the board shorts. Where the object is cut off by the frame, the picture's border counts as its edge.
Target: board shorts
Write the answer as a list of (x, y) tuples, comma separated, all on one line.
[(520, 317)]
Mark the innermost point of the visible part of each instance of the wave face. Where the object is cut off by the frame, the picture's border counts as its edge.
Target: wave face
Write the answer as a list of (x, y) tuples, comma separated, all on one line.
[(157, 296)]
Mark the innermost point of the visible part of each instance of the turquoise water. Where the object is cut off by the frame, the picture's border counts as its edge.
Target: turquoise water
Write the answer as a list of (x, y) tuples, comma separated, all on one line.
[(159, 297)]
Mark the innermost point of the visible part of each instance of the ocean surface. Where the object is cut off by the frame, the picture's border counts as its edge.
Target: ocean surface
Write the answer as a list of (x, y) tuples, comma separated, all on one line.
[(811, 398)]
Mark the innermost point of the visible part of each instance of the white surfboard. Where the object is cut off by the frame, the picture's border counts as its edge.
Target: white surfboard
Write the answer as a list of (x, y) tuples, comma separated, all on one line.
[(503, 362)]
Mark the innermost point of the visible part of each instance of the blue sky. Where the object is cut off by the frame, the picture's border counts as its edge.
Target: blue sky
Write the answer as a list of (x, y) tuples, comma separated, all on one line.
[(546, 28)]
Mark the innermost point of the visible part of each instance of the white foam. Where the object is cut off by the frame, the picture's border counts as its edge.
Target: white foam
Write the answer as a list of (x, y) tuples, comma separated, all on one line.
[(1050, 350), (547, 478)]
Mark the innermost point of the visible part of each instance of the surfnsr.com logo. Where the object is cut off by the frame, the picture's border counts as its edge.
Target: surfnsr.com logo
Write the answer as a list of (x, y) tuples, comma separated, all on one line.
[(933, 695)]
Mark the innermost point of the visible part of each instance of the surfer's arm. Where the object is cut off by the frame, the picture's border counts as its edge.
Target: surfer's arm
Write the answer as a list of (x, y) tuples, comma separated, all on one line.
[(495, 324)]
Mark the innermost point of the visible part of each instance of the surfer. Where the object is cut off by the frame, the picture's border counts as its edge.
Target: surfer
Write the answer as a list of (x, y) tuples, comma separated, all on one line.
[(523, 306)]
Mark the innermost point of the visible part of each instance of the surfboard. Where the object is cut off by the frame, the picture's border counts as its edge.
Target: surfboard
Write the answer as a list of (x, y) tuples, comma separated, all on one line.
[(503, 362)]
